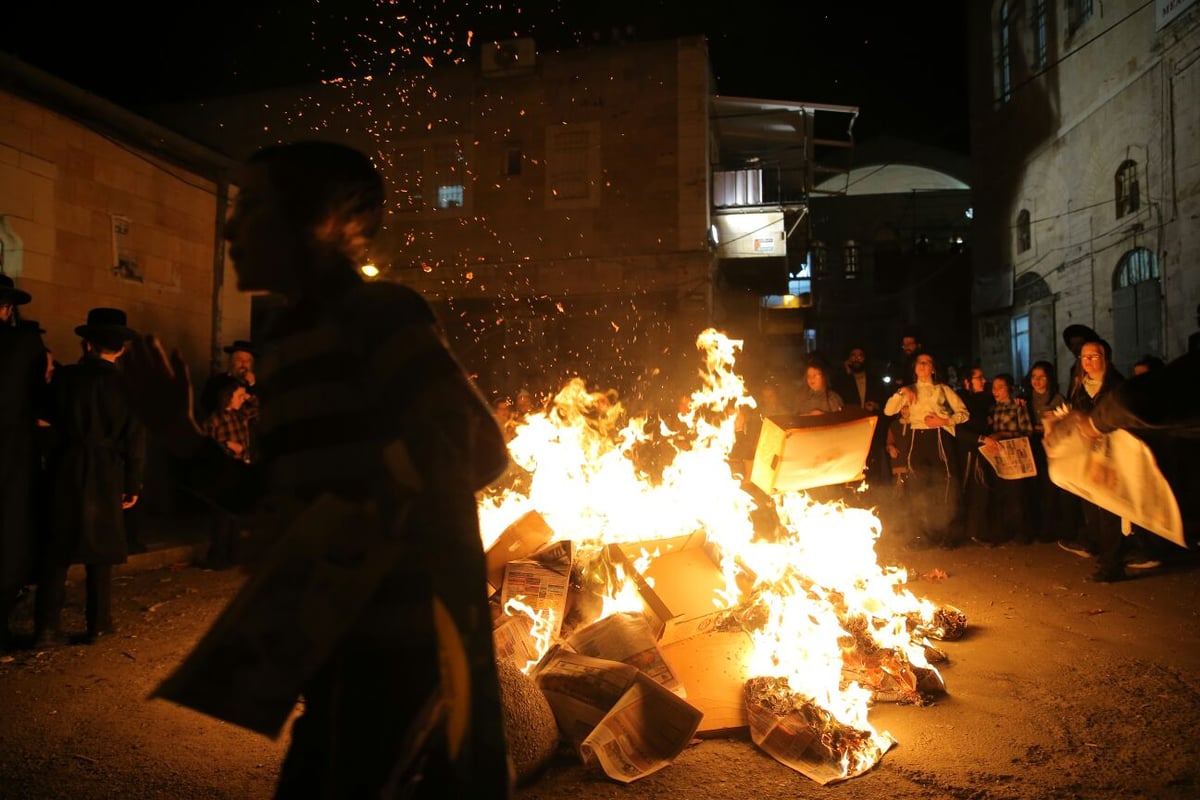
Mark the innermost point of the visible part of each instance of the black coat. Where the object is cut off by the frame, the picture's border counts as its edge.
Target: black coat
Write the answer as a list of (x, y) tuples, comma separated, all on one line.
[(22, 379), (98, 455), (847, 387)]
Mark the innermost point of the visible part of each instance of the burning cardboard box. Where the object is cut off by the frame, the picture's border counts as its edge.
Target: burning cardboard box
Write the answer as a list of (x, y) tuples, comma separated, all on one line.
[(681, 585), (802, 452)]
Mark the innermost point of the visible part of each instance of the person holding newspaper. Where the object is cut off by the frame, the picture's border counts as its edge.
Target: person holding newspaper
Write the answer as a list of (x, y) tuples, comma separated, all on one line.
[(368, 596)]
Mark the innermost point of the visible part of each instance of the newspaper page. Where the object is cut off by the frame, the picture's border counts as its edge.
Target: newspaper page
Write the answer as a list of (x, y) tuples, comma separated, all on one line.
[(627, 638), (644, 732), (1013, 460), (614, 715), (1117, 472)]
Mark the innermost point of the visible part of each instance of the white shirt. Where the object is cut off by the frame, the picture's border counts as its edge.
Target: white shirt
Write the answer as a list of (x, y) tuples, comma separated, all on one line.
[(932, 398)]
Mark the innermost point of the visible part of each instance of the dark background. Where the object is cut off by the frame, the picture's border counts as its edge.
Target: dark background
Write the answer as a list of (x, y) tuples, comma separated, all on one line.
[(903, 65)]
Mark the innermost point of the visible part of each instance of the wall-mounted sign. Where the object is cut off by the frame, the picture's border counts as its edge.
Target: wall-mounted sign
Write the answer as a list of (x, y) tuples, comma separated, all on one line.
[(1167, 10)]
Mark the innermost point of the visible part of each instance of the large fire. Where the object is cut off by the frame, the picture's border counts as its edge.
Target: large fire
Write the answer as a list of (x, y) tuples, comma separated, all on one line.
[(808, 589)]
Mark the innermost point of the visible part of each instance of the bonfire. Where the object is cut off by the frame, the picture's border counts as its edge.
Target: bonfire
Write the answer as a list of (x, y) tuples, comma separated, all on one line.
[(789, 590)]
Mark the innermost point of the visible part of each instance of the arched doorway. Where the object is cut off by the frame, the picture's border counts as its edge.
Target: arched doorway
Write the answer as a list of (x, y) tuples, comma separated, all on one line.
[(1137, 308)]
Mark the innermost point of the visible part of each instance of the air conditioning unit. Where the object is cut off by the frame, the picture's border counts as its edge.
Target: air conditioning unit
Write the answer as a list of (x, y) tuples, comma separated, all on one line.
[(510, 57)]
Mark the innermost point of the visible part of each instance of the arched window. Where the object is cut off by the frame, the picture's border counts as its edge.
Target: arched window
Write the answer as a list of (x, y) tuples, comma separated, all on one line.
[(1137, 266), (1024, 231), (1125, 188), (1136, 307)]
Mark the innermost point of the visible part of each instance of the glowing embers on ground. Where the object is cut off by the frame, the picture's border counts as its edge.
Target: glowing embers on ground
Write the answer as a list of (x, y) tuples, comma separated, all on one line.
[(680, 539)]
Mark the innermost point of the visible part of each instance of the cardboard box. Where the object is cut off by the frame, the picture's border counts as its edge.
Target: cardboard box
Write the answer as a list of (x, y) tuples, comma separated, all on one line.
[(523, 538), (802, 452), (712, 668), (680, 586)]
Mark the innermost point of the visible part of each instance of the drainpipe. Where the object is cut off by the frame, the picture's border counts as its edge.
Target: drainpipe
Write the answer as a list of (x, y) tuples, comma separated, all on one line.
[(222, 209)]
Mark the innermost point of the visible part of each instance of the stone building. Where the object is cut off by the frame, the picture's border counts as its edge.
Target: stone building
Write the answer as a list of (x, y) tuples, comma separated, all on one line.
[(101, 207), (1086, 139)]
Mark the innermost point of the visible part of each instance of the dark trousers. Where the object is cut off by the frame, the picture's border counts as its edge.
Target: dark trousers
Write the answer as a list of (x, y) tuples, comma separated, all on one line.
[(1103, 530), (932, 485), (52, 596)]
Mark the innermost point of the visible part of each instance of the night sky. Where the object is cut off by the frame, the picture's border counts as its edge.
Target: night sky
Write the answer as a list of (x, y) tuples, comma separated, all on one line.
[(904, 67)]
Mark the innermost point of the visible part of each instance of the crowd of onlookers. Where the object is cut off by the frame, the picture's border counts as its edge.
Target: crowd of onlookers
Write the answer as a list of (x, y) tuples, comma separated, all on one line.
[(73, 461), (931, 466)]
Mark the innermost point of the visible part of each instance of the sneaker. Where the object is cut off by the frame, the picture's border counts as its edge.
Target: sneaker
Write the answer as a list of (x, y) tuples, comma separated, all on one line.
[(1074, 548), (1142, 562)]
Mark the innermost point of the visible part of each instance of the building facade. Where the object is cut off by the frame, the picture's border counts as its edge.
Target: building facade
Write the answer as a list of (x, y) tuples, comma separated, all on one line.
[(101, 207), (1086, 138)]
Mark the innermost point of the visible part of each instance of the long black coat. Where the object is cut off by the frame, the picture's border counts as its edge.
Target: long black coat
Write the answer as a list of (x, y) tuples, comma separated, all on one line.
[(22, 376), (98, 454)]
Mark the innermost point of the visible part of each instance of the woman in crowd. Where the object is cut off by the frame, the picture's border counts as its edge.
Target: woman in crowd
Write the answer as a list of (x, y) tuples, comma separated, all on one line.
[(1053, 512), (1008, 420), (930, 410), (815, 397), (1102, 528)]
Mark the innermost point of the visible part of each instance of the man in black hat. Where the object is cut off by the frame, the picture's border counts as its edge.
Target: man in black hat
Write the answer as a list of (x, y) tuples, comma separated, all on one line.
[(95, 472), (241, 368), (22, 371)]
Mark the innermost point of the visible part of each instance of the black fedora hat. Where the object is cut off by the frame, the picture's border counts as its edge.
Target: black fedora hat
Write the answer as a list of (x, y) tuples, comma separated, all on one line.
[(241, 345), (9, 293), (1078, 331), (108, 323)]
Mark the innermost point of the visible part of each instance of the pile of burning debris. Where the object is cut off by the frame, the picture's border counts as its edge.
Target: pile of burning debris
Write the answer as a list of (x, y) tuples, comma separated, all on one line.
[(650, 608)]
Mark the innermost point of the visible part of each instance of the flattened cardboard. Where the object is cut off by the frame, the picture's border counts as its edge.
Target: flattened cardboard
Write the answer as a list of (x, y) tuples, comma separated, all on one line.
[(803, 452), (712, 667)]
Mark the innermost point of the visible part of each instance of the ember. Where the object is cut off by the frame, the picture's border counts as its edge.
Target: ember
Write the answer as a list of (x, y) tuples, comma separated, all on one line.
[(791, 628)]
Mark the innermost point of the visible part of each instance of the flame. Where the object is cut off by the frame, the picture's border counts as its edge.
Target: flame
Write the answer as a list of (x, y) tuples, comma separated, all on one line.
[(811, 593)]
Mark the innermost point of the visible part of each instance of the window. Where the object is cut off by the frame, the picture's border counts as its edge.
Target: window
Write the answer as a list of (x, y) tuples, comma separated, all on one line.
[(450, 196), (850, 260), (1137, 266), (1004, 63), (1024, 231), (1038, 27), (820, 259), (1020, 344), (1078, 12), (573, 164), (513, 158), (1126, 189), (448, 165)]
